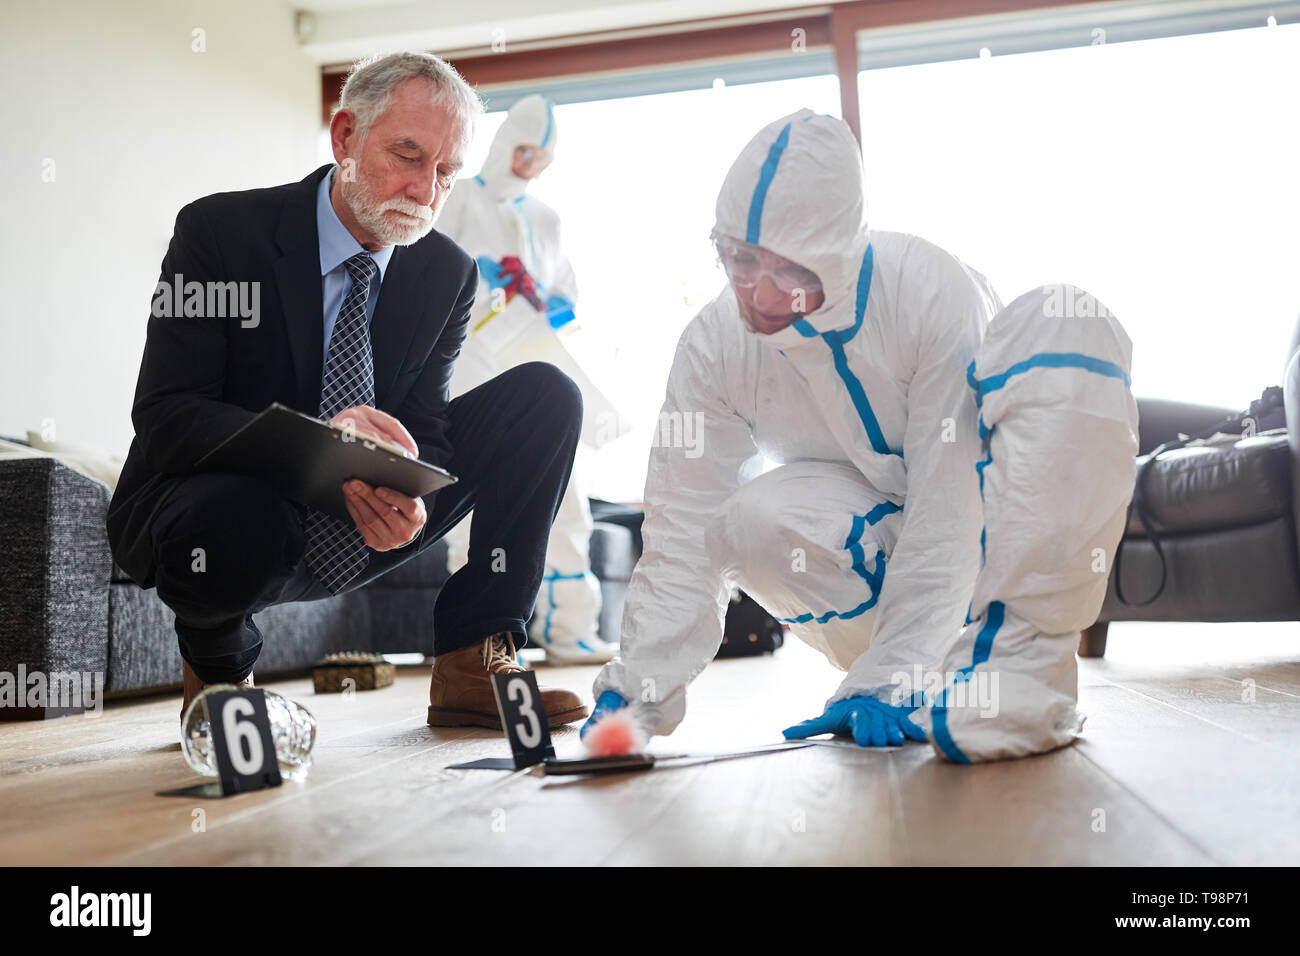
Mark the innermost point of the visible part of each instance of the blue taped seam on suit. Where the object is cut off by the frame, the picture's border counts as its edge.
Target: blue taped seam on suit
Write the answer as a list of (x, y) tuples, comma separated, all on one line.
[(983, 649), (550, 580), (754, 225), (835, 341), (879, 511), (982, 386), (865, 272), (550, 124), (874, 578), (984, 641), (986, 436), (1049, 360), (860, 402)]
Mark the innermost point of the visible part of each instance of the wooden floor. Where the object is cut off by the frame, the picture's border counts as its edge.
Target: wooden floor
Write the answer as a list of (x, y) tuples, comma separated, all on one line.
[(1177, 765)]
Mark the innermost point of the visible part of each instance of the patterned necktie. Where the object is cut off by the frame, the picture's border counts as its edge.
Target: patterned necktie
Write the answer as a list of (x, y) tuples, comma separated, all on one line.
[(336, 551)]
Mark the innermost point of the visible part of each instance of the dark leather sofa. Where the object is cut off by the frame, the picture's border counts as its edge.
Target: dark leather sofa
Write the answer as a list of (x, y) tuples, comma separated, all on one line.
[(1225, 519)]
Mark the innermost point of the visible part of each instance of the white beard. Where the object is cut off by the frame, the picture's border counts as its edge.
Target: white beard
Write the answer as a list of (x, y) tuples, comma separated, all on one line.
[(389, 230)]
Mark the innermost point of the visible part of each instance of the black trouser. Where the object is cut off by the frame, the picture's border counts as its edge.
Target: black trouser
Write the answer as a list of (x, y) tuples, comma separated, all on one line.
[(513, 438)]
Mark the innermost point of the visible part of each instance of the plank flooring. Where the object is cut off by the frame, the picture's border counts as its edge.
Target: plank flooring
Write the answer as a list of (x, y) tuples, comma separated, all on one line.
[(1189, 757)]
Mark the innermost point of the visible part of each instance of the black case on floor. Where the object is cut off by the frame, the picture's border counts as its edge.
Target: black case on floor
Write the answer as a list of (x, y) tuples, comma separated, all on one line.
[(749, 629)]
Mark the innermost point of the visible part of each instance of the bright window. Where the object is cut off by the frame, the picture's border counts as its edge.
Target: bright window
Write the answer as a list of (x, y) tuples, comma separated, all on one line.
[(1157, 174), (635, 182), (1160, 175)]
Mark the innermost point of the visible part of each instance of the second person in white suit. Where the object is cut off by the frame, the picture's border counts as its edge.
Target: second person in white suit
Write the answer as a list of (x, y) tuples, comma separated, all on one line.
[(527, 293)]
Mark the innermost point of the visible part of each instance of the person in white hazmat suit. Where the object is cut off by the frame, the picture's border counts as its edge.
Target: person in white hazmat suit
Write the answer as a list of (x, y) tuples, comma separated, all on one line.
[(516, 240), (941, 461)]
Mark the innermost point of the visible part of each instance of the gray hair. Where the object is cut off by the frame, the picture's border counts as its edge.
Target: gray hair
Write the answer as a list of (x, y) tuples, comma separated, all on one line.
[(371, 82)]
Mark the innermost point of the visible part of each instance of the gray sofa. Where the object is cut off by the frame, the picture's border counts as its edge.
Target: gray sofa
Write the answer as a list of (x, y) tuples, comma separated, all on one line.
[(66, 608)]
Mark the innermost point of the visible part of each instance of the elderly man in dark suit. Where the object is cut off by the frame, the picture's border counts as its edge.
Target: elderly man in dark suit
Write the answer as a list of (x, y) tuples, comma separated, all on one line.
[(360, 310)]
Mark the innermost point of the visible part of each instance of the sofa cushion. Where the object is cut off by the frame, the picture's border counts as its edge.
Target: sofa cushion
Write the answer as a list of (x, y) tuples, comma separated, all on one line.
[(97, 463), (428, 569), (1224, 484), (1248, 573), (143, 651), (613, 552), (54, 564)]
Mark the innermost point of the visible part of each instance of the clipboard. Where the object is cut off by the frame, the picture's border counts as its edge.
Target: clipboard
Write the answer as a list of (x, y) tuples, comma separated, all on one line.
[(308, 460)]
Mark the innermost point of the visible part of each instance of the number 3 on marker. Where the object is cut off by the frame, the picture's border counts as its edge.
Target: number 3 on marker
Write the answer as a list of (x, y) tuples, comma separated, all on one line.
[(522, 720), (529, 733)]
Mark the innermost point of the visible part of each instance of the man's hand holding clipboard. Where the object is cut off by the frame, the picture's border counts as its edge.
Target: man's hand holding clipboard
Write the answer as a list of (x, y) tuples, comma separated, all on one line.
[(387, 519), (363, 464)]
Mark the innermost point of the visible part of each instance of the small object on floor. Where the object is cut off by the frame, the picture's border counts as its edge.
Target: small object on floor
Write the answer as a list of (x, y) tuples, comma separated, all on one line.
[(486, 763), (367, 671), (289, 730), (569, 766), (617, 734), (563, 766)]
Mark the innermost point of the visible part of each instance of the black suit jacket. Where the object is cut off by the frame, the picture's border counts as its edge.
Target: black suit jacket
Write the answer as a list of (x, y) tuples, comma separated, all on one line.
[(202, 378)]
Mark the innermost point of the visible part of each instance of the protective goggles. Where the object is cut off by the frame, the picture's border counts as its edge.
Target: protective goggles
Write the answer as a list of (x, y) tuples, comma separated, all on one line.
[(746, 264), (530, 154)]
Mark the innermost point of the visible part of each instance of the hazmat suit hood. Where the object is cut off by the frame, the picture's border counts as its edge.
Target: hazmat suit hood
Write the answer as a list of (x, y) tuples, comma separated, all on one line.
[(530, 122), (797, 189)]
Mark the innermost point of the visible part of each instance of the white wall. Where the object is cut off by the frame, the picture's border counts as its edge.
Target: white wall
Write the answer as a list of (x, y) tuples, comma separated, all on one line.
[(137, 124)]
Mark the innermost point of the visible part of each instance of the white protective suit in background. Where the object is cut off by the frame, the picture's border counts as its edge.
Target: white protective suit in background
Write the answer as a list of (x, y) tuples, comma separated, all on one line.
[(866, 537), (491, 216)]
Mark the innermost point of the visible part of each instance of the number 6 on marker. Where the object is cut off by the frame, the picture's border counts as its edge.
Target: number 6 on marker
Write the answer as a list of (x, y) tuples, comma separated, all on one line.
[(243, 742)]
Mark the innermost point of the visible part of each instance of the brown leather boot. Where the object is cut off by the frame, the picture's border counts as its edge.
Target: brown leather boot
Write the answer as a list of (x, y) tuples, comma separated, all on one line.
[(193, 686), (460, 694)]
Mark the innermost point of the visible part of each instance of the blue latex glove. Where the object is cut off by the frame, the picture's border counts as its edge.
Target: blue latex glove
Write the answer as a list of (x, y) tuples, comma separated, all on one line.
[(559, 311), (871, 722), (491, 272), (606, 703)]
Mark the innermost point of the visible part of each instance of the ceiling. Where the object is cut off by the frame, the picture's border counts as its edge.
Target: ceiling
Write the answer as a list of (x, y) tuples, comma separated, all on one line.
[(338, 31)]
